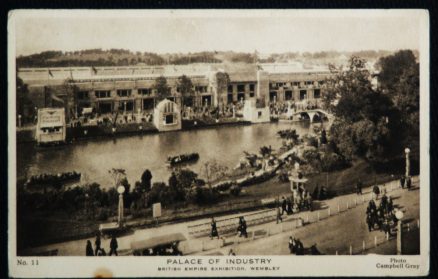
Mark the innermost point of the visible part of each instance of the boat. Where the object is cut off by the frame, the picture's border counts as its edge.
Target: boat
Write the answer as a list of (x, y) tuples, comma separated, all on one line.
[(53, 179), (183, 158)]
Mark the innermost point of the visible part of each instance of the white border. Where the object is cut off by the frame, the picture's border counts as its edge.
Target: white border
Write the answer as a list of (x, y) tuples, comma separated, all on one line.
[(298, 266)]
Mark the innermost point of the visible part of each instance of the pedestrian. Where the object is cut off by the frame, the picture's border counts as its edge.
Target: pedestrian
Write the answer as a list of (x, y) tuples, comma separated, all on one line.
[(402, 182), (244, 227), (299, 248), (291, 244), (289, 206), (214, 232), (113, 246), (408, 183), (231, 253), (359, 187), (283, 205), (89, 249), (376, 191), (97, 243), (279, 219)]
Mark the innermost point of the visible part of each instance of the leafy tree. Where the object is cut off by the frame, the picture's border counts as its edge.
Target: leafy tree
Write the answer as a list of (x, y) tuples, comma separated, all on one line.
[(400, 78), (367, 122), (145, 183), (185, 86), (24, 103), (162, 88)]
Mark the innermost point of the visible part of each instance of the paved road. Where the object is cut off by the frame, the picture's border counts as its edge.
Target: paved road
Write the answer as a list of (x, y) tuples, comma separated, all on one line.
[(331, 233), (334, 234)]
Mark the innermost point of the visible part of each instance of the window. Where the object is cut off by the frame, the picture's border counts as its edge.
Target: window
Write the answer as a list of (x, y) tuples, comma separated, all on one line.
[(145, 91), (230, 89), (201, 89), (272, 96), (229, 98), (259, 114), (169, 119), (82, 95), (309, 82), (251, 87), (303, 94), (251, 94), (317, 94), (296, 83), (240, 96), (288, 95), (124, 92), (103, 94), (241, 88)]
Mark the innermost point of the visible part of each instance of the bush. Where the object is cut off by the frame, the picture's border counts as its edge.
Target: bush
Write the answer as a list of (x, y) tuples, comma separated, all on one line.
[(102, 214), (203, 196), (235, 190), (332, 162)]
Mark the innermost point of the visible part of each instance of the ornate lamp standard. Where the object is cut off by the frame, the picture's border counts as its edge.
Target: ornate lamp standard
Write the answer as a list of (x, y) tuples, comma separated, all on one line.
[(120, 190), (399, 215), (407, 151)]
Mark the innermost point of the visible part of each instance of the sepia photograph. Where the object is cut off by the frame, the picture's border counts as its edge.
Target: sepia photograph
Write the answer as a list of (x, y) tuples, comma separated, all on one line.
[(218, 142)]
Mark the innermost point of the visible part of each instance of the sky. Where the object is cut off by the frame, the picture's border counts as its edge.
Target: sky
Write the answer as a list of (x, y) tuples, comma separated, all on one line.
[(193, 31)]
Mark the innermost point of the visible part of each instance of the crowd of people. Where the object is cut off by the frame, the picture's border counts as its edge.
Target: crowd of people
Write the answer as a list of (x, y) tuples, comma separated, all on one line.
[(99, 250), (382, 216)]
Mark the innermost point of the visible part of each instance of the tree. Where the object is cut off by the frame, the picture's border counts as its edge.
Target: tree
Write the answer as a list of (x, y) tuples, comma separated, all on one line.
[(185, 86), (212, 171), (162, 88), (399, 77), (24, 105), (117, 175), (145, 183), (367, 123)]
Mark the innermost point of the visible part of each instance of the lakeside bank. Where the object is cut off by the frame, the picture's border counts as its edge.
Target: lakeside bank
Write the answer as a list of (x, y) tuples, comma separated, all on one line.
[(27, 134)]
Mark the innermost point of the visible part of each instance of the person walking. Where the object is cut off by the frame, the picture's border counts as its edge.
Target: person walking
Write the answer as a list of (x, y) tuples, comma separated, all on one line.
[(359, 187), (408, 183), (279, 219), (214, 232), (283, 205), (89, 249), (291, 245), (376, 191), (97, 243), (113, 246), (402, 182)]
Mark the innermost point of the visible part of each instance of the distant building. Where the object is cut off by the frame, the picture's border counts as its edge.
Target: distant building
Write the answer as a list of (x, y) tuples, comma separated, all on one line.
[(256, 112), (167, 116), (51, 126), (131, 88)]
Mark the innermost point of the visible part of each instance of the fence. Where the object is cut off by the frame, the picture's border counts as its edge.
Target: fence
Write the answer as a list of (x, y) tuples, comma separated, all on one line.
[(367, 246)]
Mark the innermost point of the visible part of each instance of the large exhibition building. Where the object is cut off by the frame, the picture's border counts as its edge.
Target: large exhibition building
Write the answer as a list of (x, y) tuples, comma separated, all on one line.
[(132, 88)]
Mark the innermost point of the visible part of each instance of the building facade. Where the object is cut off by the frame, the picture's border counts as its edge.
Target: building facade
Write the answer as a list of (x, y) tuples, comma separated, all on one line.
[(132, 89)]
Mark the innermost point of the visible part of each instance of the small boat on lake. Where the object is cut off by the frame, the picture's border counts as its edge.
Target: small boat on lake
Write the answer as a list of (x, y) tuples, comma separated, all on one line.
[(183, 158)]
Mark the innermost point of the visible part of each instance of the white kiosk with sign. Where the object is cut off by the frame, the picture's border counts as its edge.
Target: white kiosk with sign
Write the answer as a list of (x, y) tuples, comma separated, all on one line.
[(51, 128)]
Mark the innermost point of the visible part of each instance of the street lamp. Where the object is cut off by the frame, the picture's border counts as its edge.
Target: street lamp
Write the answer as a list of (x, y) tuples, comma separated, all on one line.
[(399, 215), (407, 151), (120, 190)]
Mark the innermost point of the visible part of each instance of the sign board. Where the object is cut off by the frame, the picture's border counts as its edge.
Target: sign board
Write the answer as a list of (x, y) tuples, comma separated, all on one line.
[(156, 210)]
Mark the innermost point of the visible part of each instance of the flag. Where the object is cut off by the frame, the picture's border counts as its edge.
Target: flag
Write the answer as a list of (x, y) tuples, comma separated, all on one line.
[(259, 68), (94, 69), (71, 74), (50, 73)]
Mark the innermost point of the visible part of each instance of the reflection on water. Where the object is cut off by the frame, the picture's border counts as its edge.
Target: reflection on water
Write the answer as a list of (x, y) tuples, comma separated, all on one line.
[(137, 153)]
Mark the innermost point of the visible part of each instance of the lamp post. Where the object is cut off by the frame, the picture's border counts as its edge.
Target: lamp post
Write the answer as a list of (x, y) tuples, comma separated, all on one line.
[(120, 190), (399, 216), (407, 151)]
